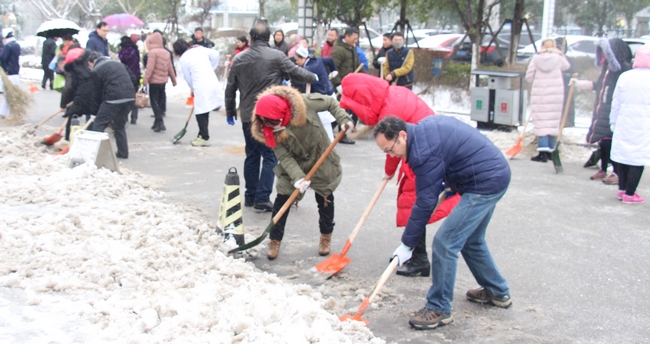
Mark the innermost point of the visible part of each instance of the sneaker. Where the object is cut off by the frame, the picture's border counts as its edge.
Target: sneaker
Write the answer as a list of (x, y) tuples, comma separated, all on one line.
[(274, 249), (620, 194), (484, 296), (324, 244), (200, 142), (612, 179), (599, 175), (426, 319), (264, 206), (636, 199)]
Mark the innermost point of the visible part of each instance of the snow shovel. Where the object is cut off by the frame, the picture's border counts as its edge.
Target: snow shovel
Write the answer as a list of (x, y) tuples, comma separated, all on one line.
[(58, 111), (54, 138), (518, 147), (225, 72), (292, 198), (72, 135), (384, 277), (555, 155), (181, 133), (336, 262)]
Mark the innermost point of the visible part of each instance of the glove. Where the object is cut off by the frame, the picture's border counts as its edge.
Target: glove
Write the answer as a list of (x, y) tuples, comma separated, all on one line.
[(573, 81), (333, 75), (611, 127), (316, 76), (302, 184), (403, 254), (339, 89), (231, 119), (381, 60), (348, 126), (386, 176)]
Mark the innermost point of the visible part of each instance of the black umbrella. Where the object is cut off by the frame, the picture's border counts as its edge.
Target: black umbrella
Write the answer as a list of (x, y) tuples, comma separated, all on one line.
[(57, 28)]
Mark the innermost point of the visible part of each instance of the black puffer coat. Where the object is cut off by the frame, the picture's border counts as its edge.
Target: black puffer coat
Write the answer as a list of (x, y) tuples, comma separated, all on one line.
[(618, 59), (80, 89), (113, 80)]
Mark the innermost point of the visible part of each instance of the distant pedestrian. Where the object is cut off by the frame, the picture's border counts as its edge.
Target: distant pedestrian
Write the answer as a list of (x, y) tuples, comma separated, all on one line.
[(387, 43), (158, 71), (615, 57), (198, 65), (544, 73), (130, 56), (49, 51), (10, 62), (398, 69), (97, 39), (630, 122), (328, 46), (199, 39), (294, 44), (279, 43), (241, 44)]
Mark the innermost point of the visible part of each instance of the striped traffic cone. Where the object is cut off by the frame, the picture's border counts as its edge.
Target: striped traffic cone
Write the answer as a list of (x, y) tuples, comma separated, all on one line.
[(230, 222)]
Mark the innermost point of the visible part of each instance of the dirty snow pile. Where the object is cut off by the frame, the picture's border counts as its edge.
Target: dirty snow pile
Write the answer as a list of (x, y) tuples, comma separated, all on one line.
[(133, 268)]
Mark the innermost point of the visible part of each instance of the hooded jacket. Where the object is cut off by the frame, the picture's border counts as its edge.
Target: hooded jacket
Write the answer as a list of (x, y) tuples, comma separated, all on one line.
[(303, 141), (253, 71), (113, 81), (10, 57), (544, 73), (618, 59), (96, 43), (372, 99), (159, 64), (81, 89)]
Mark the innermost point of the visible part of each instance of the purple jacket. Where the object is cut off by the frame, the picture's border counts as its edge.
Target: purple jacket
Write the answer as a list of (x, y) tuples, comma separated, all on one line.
[(130, 57)]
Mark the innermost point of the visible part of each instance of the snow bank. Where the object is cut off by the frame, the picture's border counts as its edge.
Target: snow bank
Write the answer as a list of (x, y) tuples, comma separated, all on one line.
[(130, 267)]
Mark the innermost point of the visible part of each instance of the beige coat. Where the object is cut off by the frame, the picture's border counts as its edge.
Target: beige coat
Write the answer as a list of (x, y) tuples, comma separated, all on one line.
[(159, 64), (547, 91)]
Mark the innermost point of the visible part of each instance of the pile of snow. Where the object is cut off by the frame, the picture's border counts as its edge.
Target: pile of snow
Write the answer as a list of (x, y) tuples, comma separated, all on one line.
[(108, 260)]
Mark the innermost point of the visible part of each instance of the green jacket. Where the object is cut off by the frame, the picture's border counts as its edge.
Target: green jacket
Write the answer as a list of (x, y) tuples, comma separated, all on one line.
[(303, 142), (345, 59)]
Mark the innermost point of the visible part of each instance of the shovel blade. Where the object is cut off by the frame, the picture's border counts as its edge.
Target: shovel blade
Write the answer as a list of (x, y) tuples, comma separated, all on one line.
[(180, 135), (332, 265), (356, 317), (54, 138), (557, 163), (515, 149)]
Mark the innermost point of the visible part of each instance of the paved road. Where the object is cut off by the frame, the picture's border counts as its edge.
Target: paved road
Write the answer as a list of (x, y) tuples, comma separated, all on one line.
[(574, 256)]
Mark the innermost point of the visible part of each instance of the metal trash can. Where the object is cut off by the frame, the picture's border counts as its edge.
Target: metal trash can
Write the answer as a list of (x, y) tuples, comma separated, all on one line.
[(437, 66), (498, 103)]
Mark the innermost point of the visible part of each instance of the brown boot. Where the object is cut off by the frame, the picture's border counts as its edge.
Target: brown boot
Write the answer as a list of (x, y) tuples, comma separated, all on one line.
[(324, 245), (274, 249)]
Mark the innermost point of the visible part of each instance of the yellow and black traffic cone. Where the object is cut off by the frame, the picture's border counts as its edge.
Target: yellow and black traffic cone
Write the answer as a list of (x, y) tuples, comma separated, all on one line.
[(231, 221)]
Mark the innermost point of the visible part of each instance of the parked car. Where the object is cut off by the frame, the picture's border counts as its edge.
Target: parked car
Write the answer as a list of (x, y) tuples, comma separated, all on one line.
[(577, 46), (490, 55), (409, 40), (635, 43), (444, 42)]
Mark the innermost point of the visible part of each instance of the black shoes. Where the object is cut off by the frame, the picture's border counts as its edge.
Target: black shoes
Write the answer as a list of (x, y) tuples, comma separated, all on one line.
[(248, 203), (121, 156), (346, 140), (159, 127), (542, 157), (414, 267), (264, 206)]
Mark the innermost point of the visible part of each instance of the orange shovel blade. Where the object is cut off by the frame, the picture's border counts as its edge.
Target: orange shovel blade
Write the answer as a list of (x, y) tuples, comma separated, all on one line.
[(63, 151), (333, 264), (356, 317), (52, 139), (515, 149)]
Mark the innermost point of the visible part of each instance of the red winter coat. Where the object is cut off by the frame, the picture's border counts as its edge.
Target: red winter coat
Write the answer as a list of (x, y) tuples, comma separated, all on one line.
[(372, 99)]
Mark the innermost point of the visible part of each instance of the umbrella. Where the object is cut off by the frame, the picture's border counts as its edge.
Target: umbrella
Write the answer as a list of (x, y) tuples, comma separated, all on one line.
[(57, 28), (123, 21)]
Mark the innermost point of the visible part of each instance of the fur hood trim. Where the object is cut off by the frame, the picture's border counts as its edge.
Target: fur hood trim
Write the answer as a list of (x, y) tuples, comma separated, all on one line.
[(298, 113)]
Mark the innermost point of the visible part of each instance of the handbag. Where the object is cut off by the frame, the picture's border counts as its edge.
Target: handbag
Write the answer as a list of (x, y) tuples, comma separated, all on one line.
[(142, 98), (59, 82)]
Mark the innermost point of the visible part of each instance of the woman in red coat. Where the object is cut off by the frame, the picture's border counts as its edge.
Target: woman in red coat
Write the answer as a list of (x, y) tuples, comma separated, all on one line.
[(372, 99)]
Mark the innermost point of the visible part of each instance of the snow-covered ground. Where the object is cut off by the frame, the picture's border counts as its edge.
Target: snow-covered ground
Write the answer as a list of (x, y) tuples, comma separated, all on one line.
[(90, 255)]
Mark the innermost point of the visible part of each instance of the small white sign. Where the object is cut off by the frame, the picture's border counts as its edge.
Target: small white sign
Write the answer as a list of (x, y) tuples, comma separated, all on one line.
[(93, 148)]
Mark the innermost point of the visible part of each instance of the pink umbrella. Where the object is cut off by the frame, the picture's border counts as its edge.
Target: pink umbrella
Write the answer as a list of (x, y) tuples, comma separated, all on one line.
[(123, 21)]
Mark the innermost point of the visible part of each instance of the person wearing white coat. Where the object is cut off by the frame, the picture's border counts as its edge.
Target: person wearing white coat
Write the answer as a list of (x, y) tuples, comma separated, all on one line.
[(198, 66), (630, 121)]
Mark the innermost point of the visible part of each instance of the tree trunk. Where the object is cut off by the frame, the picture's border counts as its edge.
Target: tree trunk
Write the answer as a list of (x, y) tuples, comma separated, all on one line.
[(515, 31), (402, 17), (601, 20)]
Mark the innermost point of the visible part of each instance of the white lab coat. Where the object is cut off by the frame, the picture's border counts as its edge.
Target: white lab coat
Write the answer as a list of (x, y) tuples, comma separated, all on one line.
[(198, 66)]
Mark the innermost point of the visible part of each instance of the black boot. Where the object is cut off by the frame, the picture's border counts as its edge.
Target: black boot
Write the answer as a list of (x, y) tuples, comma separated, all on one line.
[(541, 157), (417, 265), (134, 118)]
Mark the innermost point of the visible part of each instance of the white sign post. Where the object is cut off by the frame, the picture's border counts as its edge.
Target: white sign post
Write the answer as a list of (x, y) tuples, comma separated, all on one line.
[(94, 148)]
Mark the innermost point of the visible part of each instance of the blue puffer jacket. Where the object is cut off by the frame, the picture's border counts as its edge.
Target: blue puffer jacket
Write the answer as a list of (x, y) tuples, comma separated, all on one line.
[(97, 43), (444, 149), (323, 85), (9, 58)]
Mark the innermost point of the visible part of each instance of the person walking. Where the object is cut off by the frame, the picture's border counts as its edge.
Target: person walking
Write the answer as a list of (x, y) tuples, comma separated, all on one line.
[(328, 46), (443, 149), (158, 70), (49, 51), (198, 38), (544, 73), (198, 65), (346, 61), (398, 68), (130, 57), (10, 62), (288, 123), (630, 122), (373, 99), (615, 57), (253, 71), (279, 43), (114, 85), (97, 39), (387, 44)]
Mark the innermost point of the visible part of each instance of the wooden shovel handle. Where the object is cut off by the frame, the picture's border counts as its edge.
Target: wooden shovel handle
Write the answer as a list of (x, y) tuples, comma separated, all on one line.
[(311, 173), (190, 116), (566, 109), (382, 280), (366, 213), (358, 68), (90, 121)]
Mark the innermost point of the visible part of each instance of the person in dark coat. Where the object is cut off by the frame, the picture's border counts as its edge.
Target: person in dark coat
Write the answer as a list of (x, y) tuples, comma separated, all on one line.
[(443, 149), (316, 66), (615, 57), (97, 39), (130, 56), (114, 86), (199, 39), (387, 45), (49, 50), (80, 87), (279, 43), (10, 62), (252, 72)]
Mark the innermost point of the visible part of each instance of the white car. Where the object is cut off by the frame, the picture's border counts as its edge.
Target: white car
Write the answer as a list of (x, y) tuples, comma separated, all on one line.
[(437, 42), (577, 46), (378, 42), (635, 43)]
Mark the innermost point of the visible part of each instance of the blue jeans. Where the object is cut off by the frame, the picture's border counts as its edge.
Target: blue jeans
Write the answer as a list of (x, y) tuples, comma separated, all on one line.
[(464, 231), (258, 186), (546, 143)]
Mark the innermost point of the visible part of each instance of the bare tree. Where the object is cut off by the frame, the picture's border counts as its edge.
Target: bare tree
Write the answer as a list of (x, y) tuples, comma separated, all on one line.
[(53, 9)]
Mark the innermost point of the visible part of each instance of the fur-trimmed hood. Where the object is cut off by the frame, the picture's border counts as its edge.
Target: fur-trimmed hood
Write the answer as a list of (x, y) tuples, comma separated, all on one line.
[(298, 113), (617, 54)]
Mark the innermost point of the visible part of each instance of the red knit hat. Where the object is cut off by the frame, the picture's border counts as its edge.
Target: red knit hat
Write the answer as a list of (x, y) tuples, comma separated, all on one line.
[(73, 55), (276, 108), (135, 37)]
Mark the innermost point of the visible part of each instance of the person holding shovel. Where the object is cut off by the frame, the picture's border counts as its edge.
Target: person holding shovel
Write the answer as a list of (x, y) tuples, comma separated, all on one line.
[(443, 149), (288, 122)]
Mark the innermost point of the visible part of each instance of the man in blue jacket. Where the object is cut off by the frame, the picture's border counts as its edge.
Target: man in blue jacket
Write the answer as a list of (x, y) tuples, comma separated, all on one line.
[(97, 40), (9, 61), (316, 66), (443, 149)]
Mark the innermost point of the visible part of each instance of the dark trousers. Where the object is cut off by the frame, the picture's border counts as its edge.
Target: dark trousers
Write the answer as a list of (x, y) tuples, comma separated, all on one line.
[(325, 215), (420, 251), (158, 98), (629, 178), (203, 119), (48, 74), (134, 113), (605, 147), (116, 115), (258, 185)]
